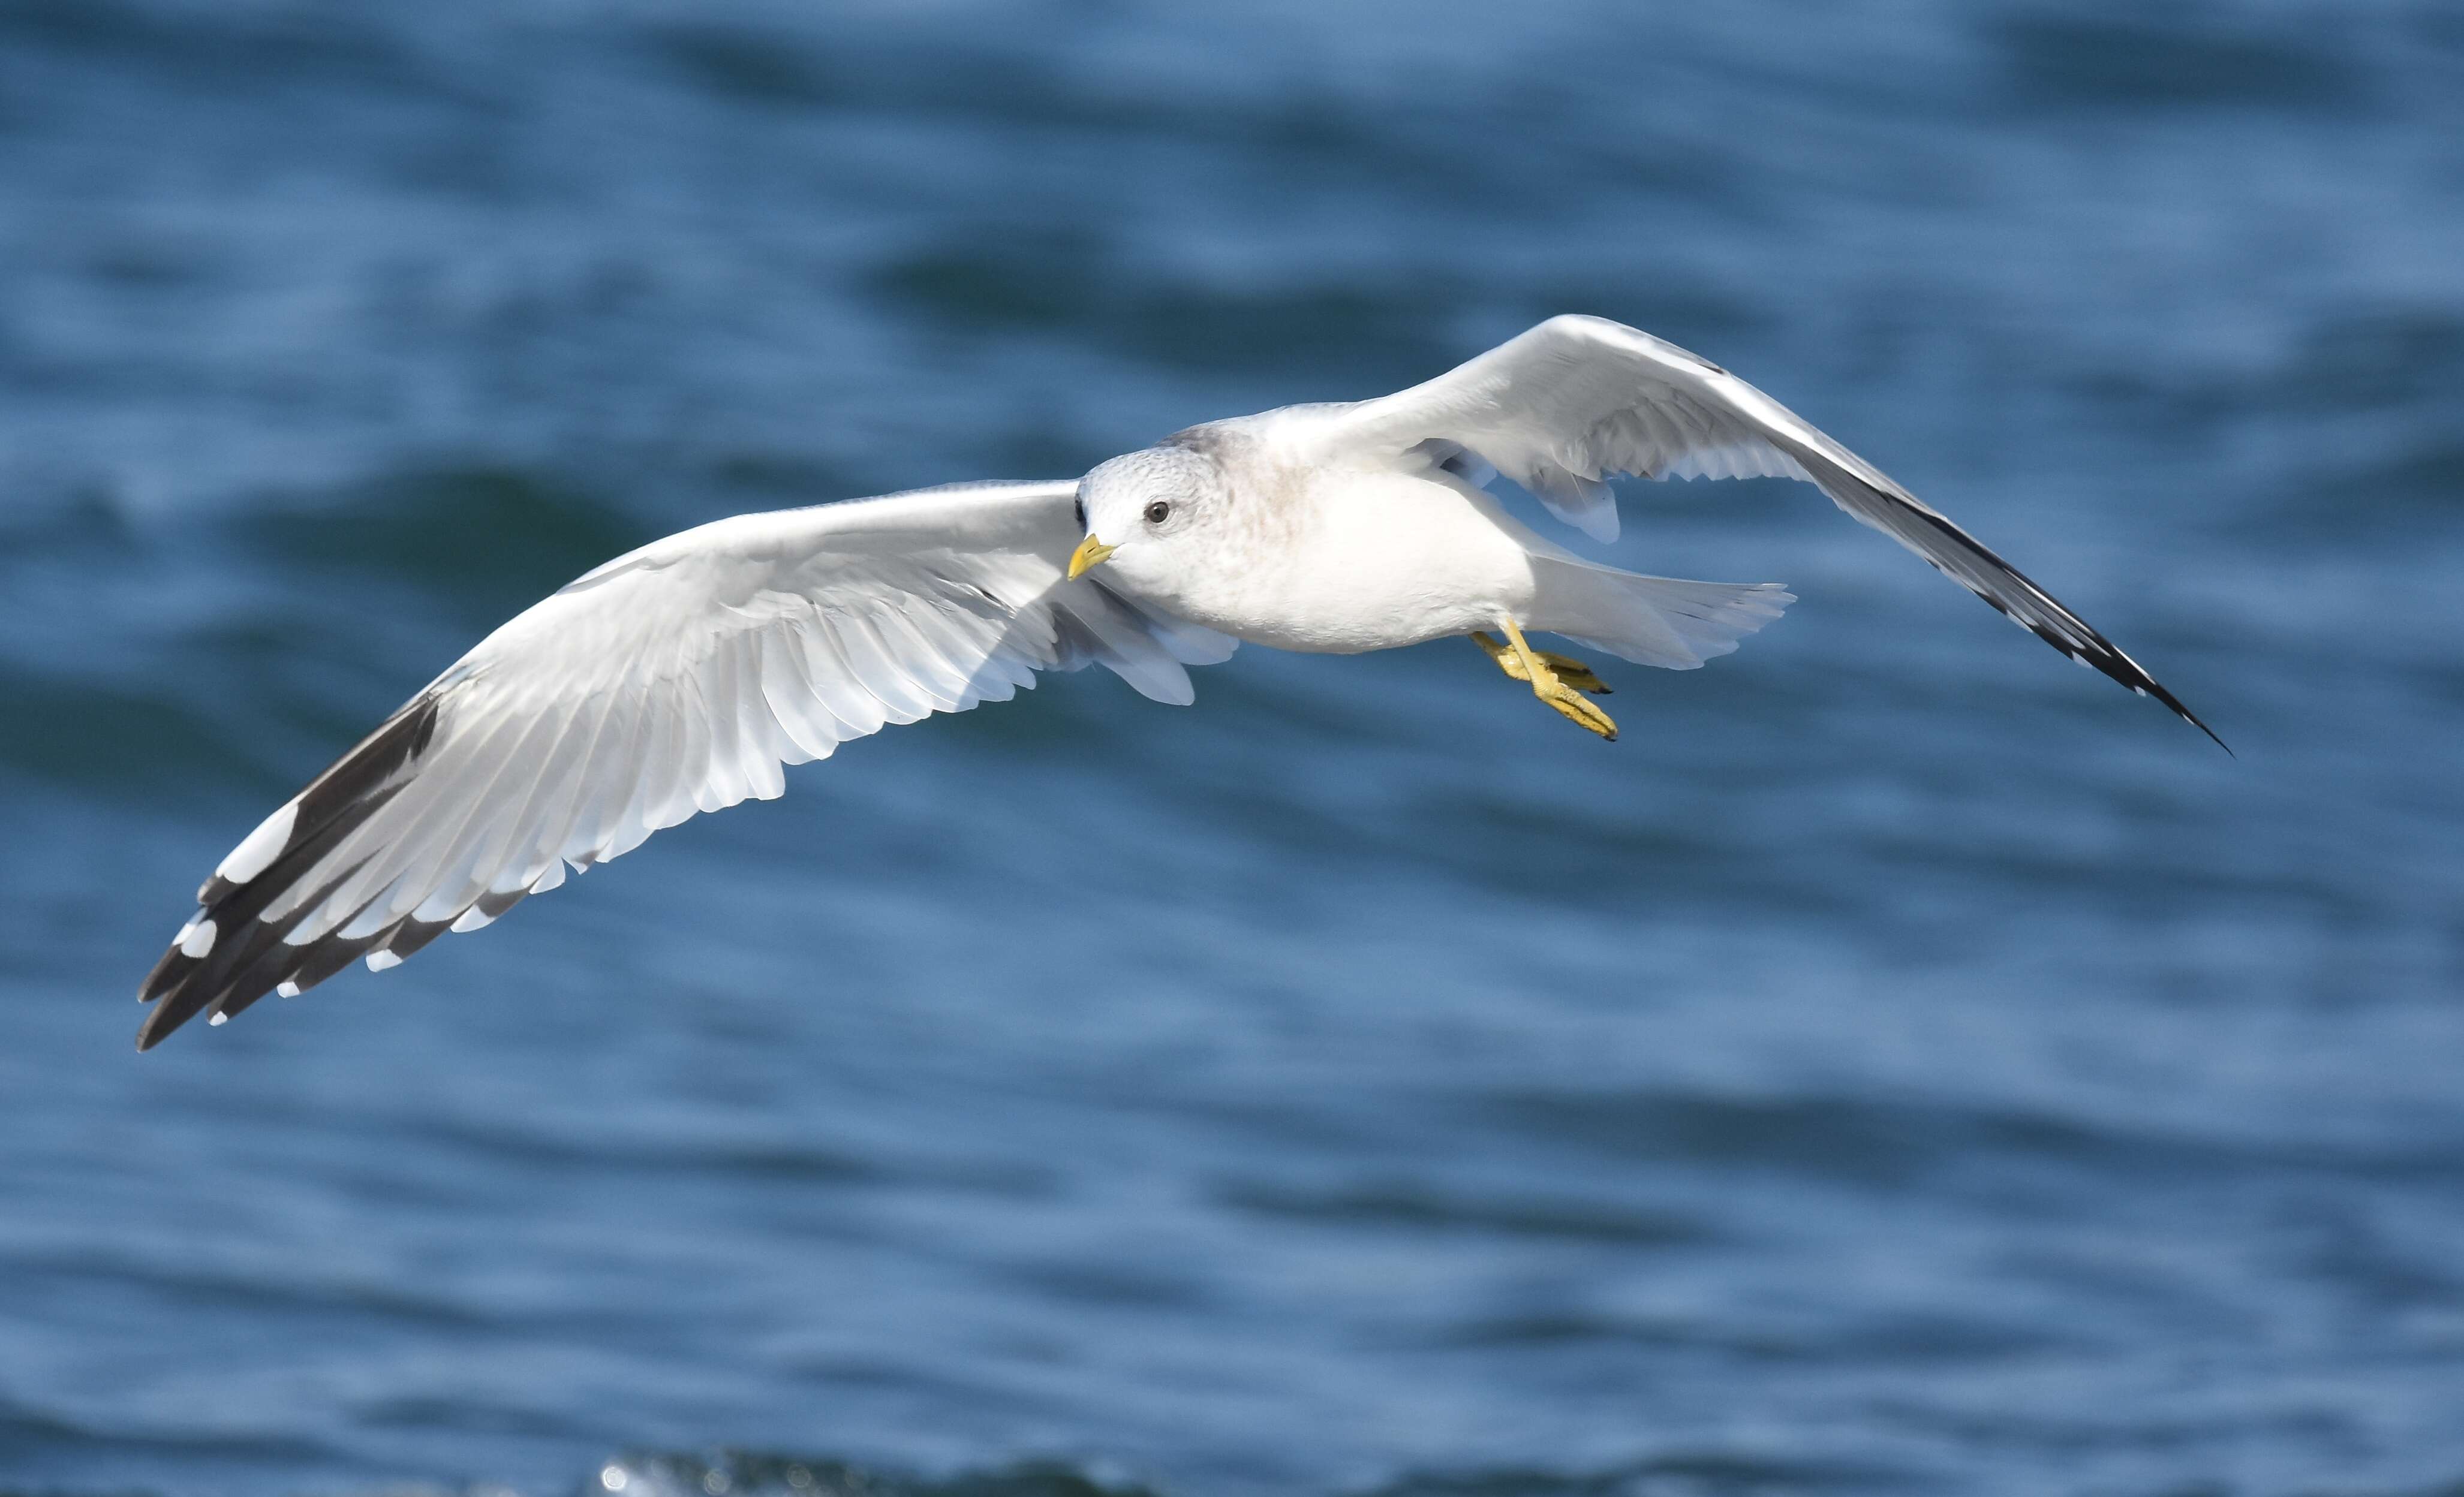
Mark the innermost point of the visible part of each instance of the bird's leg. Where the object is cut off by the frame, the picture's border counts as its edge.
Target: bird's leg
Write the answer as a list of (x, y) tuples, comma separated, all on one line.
[(1554, 679)]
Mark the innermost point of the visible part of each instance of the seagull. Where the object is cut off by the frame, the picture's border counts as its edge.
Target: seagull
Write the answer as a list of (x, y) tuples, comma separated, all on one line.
[(682, 676)]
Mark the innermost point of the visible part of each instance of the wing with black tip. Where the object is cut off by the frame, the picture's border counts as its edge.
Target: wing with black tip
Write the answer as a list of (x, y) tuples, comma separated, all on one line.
[(1575, 399), (677, 679)]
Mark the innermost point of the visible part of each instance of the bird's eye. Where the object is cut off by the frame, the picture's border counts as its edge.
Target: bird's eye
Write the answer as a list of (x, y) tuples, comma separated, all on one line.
[(1157, 512), (1081, 508)]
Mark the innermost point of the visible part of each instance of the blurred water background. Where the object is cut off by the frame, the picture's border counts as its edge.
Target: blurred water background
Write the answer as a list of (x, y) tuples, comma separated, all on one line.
[(1903, 1062)]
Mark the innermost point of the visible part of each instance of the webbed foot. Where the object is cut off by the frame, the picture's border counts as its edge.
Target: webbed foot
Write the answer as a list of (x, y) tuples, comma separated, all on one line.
[(1556, 679), (1566, 667)]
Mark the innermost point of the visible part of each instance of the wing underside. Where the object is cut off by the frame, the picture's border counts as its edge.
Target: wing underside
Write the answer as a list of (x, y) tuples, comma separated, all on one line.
[(678, 679)]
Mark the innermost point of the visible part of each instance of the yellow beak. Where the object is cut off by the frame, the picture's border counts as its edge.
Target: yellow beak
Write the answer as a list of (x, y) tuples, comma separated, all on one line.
[(1090, 553)]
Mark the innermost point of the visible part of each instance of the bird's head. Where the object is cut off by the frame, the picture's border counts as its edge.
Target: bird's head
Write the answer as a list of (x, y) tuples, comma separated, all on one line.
[(1148, 515)]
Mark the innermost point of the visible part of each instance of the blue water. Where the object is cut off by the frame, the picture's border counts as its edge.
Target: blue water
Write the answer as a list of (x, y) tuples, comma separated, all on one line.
[(1902, 1063)]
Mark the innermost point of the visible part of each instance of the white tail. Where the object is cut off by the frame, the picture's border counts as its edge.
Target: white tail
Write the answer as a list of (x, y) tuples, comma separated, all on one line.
[(1652, 621)]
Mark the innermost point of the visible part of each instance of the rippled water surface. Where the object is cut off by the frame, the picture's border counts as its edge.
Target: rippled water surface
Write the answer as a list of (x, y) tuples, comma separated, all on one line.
[(1902, 1063)]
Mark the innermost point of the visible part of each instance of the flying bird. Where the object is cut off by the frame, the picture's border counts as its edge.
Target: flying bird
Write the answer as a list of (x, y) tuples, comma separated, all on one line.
[(680, 678)]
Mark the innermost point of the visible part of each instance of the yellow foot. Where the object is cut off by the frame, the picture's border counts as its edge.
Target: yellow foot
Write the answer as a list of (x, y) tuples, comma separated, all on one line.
[(1554, 679), (1574, 672)]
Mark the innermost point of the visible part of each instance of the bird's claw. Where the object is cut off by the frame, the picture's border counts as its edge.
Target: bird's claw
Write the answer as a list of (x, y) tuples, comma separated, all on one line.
[(1574, 674), (1578, 710), (1567, 669), (1561, 684)]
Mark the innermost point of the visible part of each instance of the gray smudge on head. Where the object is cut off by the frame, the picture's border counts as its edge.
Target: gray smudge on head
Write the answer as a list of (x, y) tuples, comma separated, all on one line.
[(1260, 505)]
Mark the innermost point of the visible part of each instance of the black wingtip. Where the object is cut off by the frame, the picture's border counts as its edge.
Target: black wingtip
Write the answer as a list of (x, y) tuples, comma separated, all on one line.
[(2094, 651), (2053, 622), (160, 1024), (2148, 685), (2193, 718), (247, 954)]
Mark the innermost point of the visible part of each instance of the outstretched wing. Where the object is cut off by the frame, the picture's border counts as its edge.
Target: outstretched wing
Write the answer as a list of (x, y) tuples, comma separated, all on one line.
[(677, 679), (1577, 398)]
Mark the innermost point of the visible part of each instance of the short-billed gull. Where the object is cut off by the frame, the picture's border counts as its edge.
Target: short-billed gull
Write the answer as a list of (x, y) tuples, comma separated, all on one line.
[(680, 678)]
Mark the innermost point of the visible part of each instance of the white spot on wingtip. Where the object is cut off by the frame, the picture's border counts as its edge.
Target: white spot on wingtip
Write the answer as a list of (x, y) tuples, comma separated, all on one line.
[(253, 856), (219, 1020), (379, 961), (286, 989), (196, 937)]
